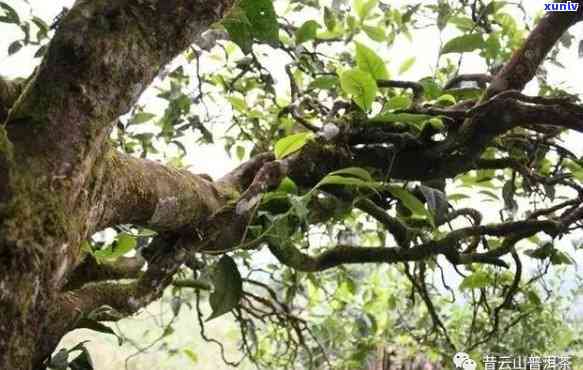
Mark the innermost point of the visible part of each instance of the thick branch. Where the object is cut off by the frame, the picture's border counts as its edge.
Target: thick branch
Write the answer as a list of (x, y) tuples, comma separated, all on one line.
[(102, 57), (289, 255), (153, 195), (110, 301), (526, 60), (92, 271), (163, 198), (340, 255)]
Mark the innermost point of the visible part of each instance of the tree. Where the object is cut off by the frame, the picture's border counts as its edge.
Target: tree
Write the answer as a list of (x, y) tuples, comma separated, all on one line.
[(348, 144)]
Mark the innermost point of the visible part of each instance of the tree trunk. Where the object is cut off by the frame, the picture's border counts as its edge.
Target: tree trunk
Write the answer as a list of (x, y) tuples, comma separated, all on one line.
[(55, 161)]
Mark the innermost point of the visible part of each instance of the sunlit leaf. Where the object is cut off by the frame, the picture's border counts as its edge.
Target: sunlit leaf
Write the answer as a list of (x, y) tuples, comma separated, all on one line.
[(477, 280), (409, 118), (368, 61), (291, 144), (407, 64), (357, 172), (324, 83), (363, 8), (329, 19), (307, 32), (463, 44), (191, 355), (141, 117), (123, 244), (375, 33), (410, 201), (361, 86), (398, 102)]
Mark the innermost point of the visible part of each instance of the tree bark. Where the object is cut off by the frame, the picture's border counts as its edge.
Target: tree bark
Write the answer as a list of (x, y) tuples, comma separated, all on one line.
[(55, 161)]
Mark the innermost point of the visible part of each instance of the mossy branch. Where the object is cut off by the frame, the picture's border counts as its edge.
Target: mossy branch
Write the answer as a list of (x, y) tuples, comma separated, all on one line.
[(10, 90)]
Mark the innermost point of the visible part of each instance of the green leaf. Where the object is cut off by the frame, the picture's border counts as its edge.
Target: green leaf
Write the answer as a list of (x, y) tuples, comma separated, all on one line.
[(436, 123), (477, 280), (14, 47), (534, 298), (299, 206), (357, 172), (10, 15), (374, 33), (432, 88), (410, 201), (446, 100), (41, 51), (368, 61), (238, 103), (97, 326), (406, 65), (228, 287), (83, 361), (60, 360), (361, 86), (457, 197), (191, 355), (291, 144), (542, 252), (288, 186), (561, 258), (463, 44), (324, 83), (239, 28), (252, 19), (329, 19), (120, 247), (465, 93), (307, 32), (398, 102), (364, 7), (43, 28), (240, 151), (141, 117), (409, 118), (351, 176), (463, 23), (263, 19), (343, 180)]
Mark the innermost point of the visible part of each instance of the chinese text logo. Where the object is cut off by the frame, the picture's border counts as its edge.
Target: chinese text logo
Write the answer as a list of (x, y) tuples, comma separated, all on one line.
[(462, 361)]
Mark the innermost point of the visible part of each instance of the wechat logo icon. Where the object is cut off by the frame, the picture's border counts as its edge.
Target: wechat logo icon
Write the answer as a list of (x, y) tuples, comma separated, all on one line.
[(462, 361)]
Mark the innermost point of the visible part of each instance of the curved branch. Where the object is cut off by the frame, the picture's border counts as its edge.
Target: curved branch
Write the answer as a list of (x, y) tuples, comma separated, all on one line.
[(163, 198), (289, 255), (401, 232), (526, 60), (110, 301), (417, 88), (125, 44), (92, 271), (341, 255)]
